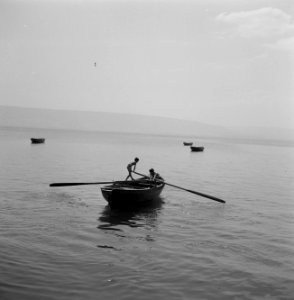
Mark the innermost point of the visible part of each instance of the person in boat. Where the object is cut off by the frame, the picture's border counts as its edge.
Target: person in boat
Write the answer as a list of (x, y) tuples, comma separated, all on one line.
[(131, 167), (154, 176)]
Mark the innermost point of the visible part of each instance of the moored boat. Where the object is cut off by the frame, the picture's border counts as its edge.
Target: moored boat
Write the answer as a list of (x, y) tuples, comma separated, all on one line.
[(37, 140), (187, 143), (197, 149), (132, 194)]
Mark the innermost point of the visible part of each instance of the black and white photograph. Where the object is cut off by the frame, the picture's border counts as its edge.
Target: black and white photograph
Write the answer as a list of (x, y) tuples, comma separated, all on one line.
[(146, 149)]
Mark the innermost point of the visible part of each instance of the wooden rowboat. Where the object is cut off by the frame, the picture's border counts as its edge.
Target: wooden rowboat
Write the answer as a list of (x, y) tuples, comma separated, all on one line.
[(197, 149), (37, 140), (187, 143), (132, 194)]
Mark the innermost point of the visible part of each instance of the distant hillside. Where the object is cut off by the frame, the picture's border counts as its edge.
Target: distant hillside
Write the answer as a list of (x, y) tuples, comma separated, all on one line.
[(101, 121), (265, 133), (114, 122)]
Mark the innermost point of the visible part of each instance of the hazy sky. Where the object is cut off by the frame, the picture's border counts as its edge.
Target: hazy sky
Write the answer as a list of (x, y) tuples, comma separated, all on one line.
[(226, 62)]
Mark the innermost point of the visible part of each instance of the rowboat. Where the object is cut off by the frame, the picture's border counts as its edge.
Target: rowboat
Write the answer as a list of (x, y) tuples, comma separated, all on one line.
[(187, 143), (197, 149), (37, 140), (132, 194)]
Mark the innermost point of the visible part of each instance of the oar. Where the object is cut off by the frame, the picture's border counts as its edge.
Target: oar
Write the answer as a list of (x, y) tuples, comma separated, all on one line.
[(190, 191), (82, 183)]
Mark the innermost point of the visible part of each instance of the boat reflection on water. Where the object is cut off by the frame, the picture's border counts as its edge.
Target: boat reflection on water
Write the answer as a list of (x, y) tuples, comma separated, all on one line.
[(112, 219)]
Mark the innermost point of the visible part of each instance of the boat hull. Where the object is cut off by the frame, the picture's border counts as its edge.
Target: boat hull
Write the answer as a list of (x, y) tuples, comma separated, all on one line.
[(132, 194), (197, 149)]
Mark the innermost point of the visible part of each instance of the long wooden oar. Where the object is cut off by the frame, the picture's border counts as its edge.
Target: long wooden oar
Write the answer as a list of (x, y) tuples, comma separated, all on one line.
[(82, 183), (187, 190)]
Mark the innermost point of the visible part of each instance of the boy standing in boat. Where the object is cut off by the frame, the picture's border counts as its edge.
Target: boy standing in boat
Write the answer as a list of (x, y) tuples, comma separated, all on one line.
[(131, 168)]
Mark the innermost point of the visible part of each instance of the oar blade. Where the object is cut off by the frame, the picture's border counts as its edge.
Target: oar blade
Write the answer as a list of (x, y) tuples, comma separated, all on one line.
[(78, 183), (67, 184), (207, 196)]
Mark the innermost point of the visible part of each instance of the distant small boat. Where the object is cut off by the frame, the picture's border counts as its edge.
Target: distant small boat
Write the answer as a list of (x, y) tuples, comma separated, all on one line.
[(197, 149), (38, 140), (187, 143)]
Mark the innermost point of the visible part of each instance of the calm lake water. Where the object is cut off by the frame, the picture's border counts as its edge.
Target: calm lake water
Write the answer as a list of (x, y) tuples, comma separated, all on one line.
[(65, 243)]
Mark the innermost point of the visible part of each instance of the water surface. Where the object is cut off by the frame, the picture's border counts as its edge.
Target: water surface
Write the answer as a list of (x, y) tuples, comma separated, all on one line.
[(65, 243)]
